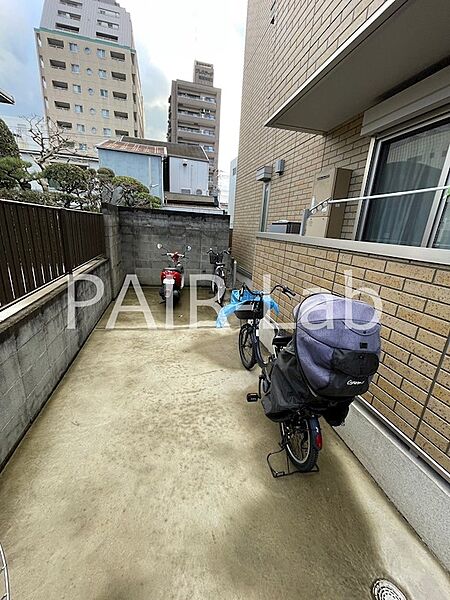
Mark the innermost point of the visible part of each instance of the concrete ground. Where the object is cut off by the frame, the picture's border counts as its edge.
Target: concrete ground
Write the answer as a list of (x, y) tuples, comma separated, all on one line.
[(145, 477)]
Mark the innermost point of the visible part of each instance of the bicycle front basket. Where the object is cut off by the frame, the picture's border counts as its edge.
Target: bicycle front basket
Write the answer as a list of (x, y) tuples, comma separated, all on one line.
[(250, 310)]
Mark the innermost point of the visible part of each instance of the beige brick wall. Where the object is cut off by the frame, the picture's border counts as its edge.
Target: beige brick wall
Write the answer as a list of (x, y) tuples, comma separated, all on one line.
[(279, 57), (411, 388)]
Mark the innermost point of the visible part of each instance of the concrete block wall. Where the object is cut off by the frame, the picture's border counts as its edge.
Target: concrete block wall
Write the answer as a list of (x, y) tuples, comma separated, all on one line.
[(142, 229), (36, 348), (279, 57), (411, 388), (113, 246)]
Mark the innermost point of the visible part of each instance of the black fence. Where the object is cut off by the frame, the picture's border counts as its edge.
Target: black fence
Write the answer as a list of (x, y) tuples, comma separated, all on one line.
[(39, 244)]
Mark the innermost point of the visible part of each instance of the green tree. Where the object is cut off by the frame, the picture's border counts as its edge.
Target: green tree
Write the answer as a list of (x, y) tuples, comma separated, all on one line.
[(69, 179), (129, 189), (8, 145), (13, 172), (146, 200)]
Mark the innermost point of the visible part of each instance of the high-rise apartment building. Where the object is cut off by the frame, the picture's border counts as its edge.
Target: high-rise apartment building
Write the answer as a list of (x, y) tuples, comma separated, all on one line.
[(194, 116), (89, 71)]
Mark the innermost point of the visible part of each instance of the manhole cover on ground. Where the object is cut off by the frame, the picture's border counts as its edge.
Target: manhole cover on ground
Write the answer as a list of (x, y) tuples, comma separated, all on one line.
[(385, 590)]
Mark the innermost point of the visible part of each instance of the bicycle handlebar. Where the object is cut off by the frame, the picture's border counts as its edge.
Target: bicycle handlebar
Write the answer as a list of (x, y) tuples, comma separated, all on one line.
[(284, 289)]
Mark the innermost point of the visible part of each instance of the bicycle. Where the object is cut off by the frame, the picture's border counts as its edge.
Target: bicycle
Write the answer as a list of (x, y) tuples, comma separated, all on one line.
[(252, 312), (4, 576), (216, 259), (301, 437)]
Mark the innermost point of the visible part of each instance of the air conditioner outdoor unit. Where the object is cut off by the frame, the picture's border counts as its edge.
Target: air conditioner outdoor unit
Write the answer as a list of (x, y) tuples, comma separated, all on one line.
[(185, 190), (199, 192)]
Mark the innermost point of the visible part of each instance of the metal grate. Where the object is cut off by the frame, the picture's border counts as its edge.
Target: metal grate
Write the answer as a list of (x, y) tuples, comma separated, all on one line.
[(385, 590)]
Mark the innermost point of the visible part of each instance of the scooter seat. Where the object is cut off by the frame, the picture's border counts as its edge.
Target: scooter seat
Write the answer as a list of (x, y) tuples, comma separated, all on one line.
[(172, 269)]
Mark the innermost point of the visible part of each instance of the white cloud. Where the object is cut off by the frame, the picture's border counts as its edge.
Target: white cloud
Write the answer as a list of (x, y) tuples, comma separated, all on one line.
[(169, 36)]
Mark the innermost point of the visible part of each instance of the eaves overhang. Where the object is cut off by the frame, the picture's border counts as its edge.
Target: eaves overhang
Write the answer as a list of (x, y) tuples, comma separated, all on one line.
[(6, 98), (400, 44)]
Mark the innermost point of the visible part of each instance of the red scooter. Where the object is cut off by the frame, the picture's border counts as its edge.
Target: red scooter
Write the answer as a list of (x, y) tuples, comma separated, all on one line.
[(172, 277)]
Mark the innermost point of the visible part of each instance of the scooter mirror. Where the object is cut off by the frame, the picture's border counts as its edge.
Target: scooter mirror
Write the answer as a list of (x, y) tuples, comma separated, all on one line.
[(159, 246), (188, 248)]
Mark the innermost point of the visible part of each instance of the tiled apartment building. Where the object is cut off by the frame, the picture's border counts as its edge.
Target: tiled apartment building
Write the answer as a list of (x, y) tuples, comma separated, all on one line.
[(194, 116), (362, 86), (89, 71)]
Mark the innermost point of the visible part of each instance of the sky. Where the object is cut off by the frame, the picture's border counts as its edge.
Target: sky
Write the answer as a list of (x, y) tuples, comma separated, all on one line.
[(169, 36)]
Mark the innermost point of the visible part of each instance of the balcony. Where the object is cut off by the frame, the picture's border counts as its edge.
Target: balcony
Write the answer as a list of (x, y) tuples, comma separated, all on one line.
[(58, 64), (54, 43), (194, 102), (190, 116), (121, 96), (62, 105), (118, 76)]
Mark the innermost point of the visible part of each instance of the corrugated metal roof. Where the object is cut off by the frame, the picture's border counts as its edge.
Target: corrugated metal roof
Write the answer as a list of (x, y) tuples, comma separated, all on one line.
[(195, 152), (135, 147)]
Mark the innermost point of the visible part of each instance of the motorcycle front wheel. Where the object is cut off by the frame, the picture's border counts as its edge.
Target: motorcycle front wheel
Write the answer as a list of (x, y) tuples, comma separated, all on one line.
[(246, 350), (297, 436)]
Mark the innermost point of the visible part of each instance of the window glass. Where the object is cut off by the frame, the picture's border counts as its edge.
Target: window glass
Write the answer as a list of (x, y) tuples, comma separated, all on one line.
[(89, 71), (411, 162), (73, 47), (442, 239), (75, 68)]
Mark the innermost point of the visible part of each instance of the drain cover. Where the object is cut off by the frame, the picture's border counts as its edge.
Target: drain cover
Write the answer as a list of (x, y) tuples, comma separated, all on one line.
[(385, 590)]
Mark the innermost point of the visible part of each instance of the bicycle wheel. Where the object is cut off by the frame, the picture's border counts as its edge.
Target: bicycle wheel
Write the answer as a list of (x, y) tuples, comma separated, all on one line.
[(246, 350), (299, 445)]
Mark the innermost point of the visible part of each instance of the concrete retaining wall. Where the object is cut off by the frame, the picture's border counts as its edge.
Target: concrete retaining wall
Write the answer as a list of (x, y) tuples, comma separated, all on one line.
[(142, 229), (36, 348)]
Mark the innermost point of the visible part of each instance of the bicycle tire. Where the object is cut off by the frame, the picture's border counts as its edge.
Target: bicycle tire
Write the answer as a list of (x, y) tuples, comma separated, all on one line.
[(246, 349), (307, 462)]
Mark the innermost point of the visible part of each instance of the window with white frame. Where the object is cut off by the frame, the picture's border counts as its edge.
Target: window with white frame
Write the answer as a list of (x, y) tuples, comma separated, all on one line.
[(76, 88), (105, 113), (81, 128), (412, 160), (101, 53), (75, 68), (104, 93), (73, 47), (106, 131), (78, 108), (102, 74), (83, 147)]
